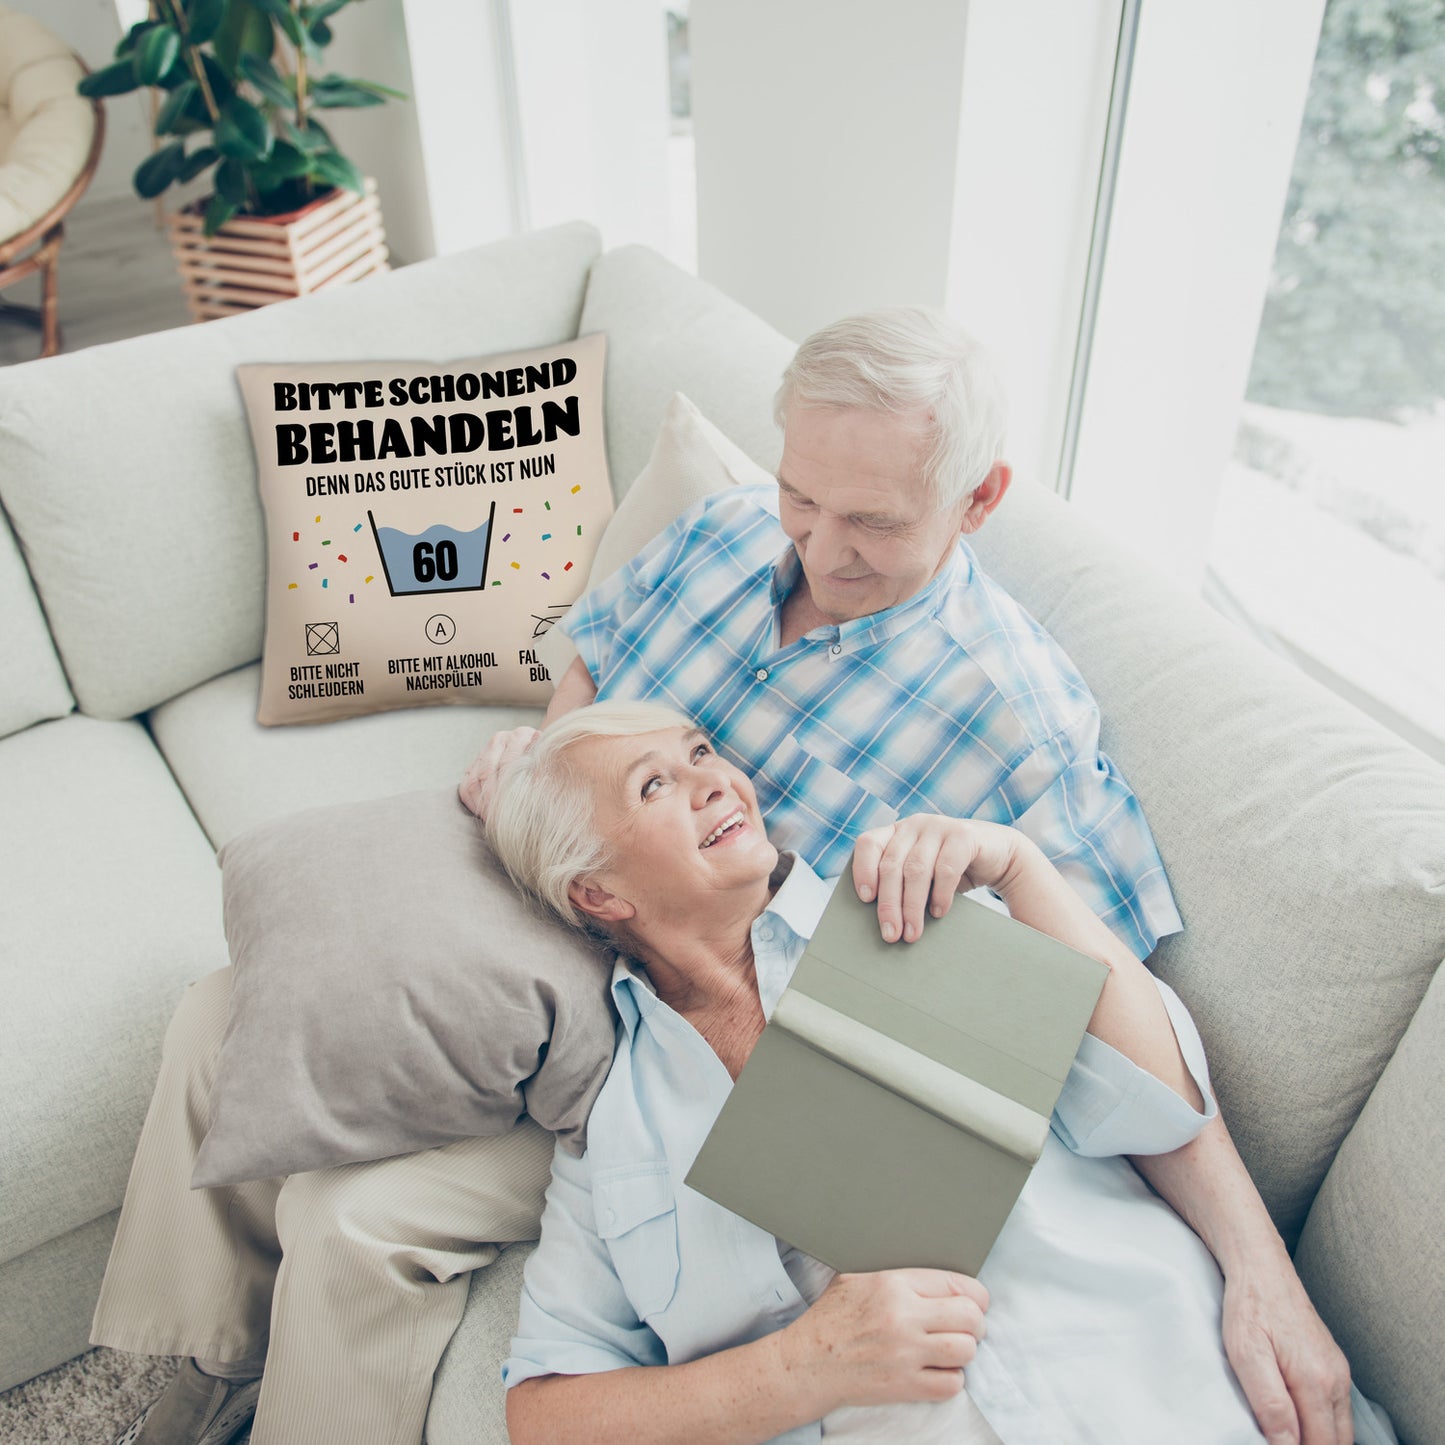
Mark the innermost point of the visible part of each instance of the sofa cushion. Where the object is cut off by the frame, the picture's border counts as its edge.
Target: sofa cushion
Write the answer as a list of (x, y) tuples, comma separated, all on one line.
[(468, 1404), (32, 682), (236, 774), (669, 332), (1301, 840), (150, 559), (110, 906), (47, 1297), (392, 993), (1372, 1254)]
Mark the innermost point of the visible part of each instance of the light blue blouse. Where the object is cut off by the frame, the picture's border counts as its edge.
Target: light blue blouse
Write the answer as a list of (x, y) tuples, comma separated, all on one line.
[(1105, 1316)]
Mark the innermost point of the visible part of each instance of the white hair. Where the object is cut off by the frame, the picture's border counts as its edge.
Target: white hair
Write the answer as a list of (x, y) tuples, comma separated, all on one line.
[(542, 821), (908, 360)]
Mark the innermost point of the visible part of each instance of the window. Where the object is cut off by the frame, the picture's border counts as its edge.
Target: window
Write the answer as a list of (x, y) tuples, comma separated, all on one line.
[(1330, 528)]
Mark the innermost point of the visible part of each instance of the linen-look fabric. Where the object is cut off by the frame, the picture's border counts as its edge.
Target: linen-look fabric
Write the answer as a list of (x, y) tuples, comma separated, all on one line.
[(356, 1276)]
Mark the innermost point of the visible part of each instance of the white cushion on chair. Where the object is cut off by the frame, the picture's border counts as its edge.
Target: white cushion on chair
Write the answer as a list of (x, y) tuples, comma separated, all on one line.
[(45, 128)]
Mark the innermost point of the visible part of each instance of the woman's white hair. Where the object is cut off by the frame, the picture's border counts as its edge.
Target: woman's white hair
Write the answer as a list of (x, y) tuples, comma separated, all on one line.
[(908, 360), (542, 820)]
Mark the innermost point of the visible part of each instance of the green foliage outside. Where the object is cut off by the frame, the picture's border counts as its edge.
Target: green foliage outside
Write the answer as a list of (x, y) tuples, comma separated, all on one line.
[(1354, 324), (241, 84)]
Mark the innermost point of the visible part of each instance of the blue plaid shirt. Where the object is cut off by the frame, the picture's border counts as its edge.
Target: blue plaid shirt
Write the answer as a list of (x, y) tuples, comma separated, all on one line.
[(954, 702)]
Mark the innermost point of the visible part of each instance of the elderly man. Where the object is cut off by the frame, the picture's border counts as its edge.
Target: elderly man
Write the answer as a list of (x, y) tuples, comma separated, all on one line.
[(838, 640)]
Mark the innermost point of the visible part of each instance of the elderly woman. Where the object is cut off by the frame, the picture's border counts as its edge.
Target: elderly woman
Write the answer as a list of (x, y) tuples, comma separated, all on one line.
[(652, 1313)]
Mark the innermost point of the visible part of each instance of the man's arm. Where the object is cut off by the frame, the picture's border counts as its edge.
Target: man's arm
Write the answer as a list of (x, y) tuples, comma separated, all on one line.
[(575, 690), (1295, 1377)]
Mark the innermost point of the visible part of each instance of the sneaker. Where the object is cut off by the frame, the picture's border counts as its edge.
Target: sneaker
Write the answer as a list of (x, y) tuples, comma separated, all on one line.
[(195, 1409)]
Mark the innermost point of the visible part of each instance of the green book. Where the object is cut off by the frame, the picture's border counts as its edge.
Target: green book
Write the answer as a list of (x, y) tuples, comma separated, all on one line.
[(900, 1094)]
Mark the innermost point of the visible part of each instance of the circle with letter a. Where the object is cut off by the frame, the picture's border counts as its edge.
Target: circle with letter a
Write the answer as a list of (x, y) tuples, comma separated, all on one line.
[(440, 629)]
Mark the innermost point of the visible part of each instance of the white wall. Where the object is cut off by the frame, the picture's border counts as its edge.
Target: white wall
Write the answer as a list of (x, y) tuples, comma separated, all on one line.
[(384, 140), (827, 142), (593, 110), (932, 152), (458, 151)]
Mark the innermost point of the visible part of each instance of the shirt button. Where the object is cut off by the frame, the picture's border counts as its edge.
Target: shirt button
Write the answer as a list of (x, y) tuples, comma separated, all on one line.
[(836, 648), (761, 674), (765, 933)]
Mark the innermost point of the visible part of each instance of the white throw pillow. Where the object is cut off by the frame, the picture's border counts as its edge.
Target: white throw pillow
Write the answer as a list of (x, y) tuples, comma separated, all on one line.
[(691, 459)]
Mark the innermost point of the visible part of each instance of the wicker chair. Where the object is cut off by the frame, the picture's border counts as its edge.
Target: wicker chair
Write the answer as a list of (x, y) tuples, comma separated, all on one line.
[(50, 139)]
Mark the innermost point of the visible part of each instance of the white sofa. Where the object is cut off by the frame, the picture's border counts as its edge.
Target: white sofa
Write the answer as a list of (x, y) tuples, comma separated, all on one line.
[(1306, 846)]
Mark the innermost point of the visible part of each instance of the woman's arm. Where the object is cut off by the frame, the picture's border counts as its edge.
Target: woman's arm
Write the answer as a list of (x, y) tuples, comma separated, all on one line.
[(917, 865), (903, 1334)]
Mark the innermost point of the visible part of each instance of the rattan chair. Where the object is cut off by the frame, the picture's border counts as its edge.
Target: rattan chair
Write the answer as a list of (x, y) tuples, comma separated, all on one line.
[(50, 139)]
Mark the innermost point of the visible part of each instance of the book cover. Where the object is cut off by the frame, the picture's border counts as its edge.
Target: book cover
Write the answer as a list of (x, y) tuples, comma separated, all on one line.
[(900, 1094)]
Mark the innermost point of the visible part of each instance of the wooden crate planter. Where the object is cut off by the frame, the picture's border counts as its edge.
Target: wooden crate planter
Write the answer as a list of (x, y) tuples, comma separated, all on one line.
[(255, 260)]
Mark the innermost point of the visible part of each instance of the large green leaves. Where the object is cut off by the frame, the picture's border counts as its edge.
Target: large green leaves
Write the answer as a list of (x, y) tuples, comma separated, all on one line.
[(333, 168), (197, 161), (285, 17), (218, 212), (244, 31), (157, 171), (331, 92), (203, 20), (242, 132), (313, 139), (277, 88), (158, 50), (117, 79), (285, 163), (172, 119)]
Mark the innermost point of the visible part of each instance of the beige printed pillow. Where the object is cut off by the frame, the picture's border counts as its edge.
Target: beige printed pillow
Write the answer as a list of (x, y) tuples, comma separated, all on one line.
[(426, 524)]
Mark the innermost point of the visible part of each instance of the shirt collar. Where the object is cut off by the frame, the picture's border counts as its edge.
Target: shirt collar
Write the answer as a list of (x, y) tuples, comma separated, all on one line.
[(878, 626), (781, 930)]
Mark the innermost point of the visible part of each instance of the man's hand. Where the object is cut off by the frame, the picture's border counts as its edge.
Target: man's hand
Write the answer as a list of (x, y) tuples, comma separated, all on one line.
[(475, 788), (1295, 1377)]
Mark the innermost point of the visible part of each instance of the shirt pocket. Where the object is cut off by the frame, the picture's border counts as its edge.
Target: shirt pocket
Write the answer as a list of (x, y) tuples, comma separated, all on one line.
[(636, 1212), (817, 809)]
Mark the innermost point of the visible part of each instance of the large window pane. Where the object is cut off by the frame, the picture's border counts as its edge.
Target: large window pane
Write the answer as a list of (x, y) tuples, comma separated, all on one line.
[(1330, 532)]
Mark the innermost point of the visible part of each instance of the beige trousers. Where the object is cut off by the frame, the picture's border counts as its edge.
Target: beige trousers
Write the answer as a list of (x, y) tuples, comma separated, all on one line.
[(350, 1281)]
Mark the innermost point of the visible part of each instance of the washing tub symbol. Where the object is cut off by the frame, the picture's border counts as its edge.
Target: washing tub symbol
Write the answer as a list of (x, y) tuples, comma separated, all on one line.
[(440, 559)]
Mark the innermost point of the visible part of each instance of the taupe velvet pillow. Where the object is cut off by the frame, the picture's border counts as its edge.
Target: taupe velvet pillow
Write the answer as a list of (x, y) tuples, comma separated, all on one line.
[(393, 992)]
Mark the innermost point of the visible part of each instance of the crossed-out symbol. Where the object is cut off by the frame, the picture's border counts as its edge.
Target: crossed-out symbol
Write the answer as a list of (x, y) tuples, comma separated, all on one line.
[(322, 639)]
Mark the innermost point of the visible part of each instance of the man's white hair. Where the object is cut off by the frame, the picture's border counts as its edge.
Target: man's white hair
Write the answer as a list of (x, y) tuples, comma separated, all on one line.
[(542, 821), (908, 360)]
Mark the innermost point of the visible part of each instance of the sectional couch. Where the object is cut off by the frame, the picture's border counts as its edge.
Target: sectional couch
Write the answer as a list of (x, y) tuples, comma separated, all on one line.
[(1305, 845)]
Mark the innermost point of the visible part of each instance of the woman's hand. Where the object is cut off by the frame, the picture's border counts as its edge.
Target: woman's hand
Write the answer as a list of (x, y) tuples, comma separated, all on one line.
[(897, 1335), (476, 786), (918, 864)]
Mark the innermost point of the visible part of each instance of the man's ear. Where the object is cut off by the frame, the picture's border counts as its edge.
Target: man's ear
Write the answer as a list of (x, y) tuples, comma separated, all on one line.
[(595, 901), (986, 496)]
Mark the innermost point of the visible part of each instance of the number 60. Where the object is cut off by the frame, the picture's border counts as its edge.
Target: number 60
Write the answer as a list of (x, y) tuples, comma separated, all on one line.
[(444, 565)]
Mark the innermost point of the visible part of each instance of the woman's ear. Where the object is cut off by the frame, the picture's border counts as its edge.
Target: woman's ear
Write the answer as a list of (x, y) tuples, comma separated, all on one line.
[(596, 902)]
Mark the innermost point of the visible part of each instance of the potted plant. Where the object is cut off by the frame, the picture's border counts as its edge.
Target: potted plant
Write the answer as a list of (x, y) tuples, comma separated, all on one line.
[(239, 85)]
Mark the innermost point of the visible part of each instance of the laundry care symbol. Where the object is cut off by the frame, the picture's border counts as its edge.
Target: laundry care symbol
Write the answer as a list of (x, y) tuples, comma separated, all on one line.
[(323, 639), (440, 629)]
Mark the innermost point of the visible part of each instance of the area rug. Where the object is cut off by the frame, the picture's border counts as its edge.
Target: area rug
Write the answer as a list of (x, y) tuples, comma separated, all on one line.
[(85, 1402)]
